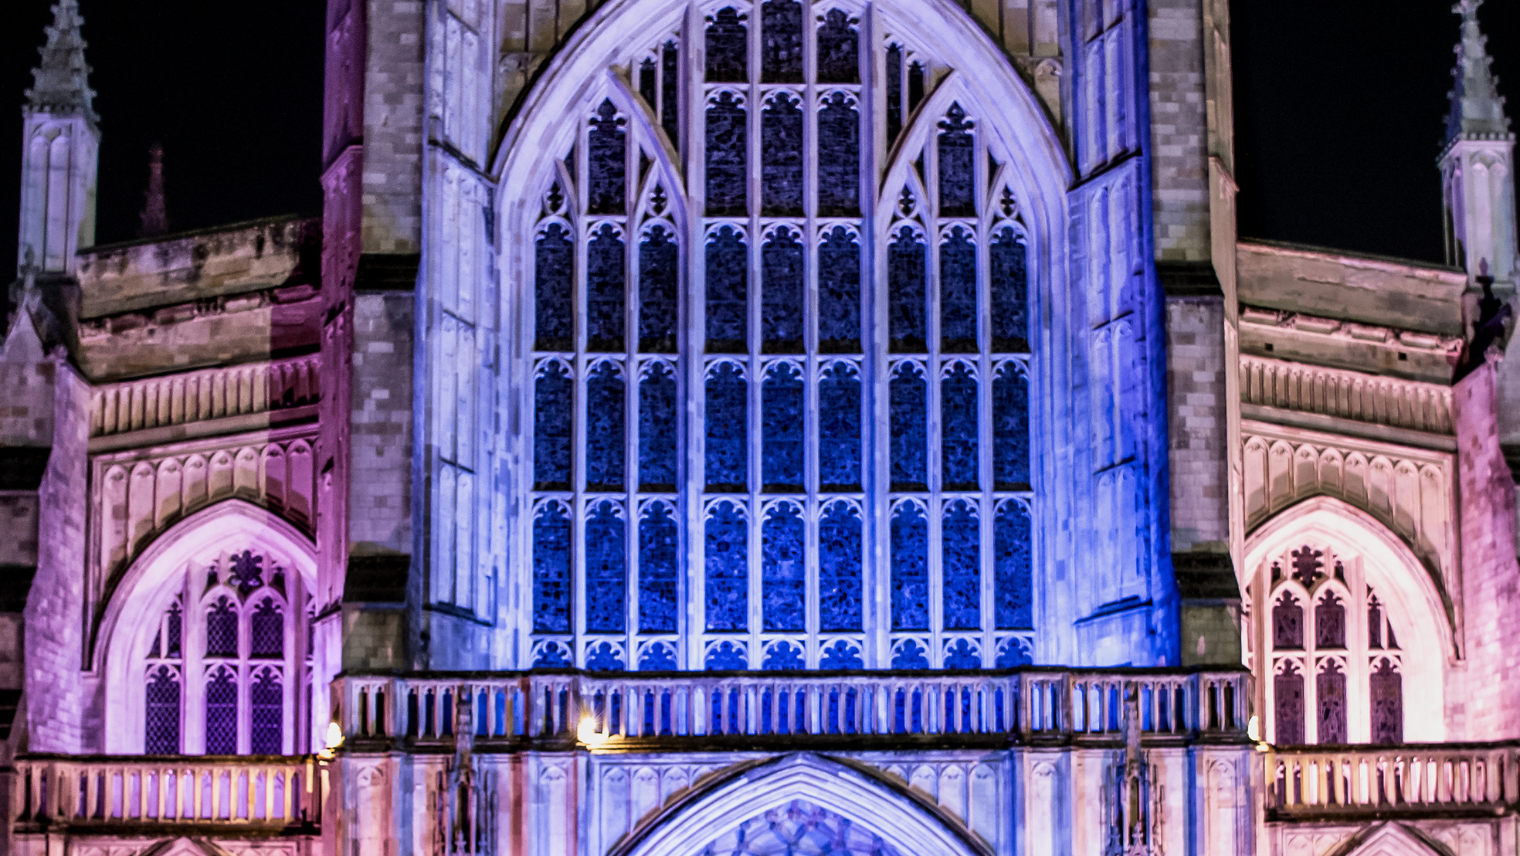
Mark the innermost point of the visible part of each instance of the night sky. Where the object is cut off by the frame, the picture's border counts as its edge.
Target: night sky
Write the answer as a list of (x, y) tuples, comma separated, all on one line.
[(1339, 112)]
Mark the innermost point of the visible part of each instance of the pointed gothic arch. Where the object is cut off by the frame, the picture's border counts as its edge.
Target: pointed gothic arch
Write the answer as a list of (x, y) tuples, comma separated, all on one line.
[(132, 616), (1008, 152), (904, 822), (1382, 565)]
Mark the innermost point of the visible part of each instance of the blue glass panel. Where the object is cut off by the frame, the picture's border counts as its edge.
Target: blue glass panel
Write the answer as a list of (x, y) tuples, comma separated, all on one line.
[(958, 418), (839, 569), (552, 656), (658, 657), (553, 287), (604, 428), (1010, 429), (221, 630), (727, 293), (670, 109), (552, 394), (604, 658), (1013, 586), (173, 629), (781, 182), (658, 263), (726, 541), (781, 41), (551, 569), (221, 713), (727, 45), (894, 93), (961, 560), (783, 657), (841, 655), (161, 719), (725, 657), (647, 83), (838, 49), (906, 293), (783, 574), (781, 427), (910, 655), (839, 293), (657, 570), (1010, 292), (657, 430), (727, 143), (266, 630), (910, 429), (839, 428), (957, 293), (605, 153), (606, 570), (781, 290), (957, 197), (267, 700), (838, 156), (727, 418), (910, 568), (962, 655), (1014, 653), (604, 290)]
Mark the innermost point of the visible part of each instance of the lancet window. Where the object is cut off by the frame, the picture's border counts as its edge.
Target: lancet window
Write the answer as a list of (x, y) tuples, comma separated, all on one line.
[(769, 386), (1335, 664), (230, 673)]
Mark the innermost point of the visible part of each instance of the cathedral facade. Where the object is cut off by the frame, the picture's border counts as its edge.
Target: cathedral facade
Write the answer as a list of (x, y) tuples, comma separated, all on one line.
[(777, 427)]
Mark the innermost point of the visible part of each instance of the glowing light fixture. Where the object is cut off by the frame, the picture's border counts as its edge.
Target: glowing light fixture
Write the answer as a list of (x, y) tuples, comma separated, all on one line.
[(587, 733)]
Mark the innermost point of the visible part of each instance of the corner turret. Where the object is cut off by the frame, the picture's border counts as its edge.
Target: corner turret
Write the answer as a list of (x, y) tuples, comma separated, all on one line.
[(60, 150), (1477, 166)]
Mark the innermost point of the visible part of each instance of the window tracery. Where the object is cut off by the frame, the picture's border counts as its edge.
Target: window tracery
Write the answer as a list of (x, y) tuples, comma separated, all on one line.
[(766, 446), (1326, 685), (230, 675)]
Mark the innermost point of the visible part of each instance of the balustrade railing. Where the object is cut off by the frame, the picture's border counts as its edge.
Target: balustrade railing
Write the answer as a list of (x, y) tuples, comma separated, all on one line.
[(247, 791), (1315, 780), (595, 707)]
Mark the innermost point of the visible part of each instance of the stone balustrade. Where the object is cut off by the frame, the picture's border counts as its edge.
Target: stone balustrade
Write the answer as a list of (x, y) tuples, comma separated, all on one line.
[(1411, 779), (675, 707), (242, 792)]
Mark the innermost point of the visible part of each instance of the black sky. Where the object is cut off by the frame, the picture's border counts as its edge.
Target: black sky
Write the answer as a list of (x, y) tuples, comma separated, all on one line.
[(1339, 112)]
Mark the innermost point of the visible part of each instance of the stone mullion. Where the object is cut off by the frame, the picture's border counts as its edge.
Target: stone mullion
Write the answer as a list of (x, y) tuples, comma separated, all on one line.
[(935, 434), (631, 344), (755, 622), (691, 382), (875, 368), (987, 502)]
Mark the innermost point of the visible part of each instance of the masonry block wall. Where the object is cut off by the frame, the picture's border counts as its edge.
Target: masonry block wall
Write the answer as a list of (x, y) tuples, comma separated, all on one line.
[(1490, 576)]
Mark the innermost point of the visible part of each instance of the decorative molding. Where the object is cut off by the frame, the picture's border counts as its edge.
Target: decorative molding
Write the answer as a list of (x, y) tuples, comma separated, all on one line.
[(135, 496), (1258, 316), (1408, 490), (1345, 394), (204, 395)]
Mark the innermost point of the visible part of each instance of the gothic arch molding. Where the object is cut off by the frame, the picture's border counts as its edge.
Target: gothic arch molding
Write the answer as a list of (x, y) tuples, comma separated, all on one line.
[(901, 819), (1391, 839), (1414, 602), (130, 616)]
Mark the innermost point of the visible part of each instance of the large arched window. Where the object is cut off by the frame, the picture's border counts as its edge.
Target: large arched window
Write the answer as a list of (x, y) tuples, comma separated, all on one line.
[(230, 673), (780, 352), (1333, 666)]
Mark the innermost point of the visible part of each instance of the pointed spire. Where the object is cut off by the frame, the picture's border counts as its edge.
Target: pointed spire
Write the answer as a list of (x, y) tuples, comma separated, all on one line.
[(61, 82), (1477, 109), (155, 219)]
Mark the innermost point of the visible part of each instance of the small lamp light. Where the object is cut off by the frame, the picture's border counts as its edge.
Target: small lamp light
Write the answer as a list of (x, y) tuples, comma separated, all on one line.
[(334, 739), (587, 733)]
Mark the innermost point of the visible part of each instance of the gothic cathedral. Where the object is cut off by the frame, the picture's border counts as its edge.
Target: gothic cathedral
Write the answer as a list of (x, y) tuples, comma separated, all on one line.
[(760, 428)]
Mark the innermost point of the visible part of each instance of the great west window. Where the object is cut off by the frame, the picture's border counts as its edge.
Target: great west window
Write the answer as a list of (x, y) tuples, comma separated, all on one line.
[(779, 403)]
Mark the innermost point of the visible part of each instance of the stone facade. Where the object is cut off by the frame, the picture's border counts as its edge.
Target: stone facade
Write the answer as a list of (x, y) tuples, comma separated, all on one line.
[(456, 521)]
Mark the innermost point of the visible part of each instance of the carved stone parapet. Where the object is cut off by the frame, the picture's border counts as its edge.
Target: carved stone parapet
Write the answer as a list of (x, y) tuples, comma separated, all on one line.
[(1345, 394), (202, 395)]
